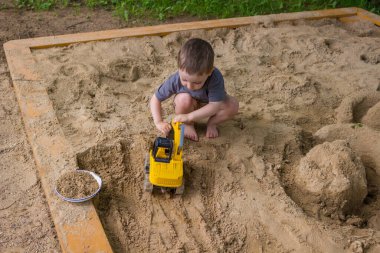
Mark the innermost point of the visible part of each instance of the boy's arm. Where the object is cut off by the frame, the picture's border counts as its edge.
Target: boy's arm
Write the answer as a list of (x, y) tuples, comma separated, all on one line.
[(206, 111), (155, 108)]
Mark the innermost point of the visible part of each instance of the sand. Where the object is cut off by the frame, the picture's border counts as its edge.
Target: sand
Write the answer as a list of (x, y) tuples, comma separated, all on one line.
[(75, 185), (297, 85)]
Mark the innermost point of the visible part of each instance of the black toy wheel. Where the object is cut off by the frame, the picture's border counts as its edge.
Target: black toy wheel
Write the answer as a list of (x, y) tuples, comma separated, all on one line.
[(148, 187)]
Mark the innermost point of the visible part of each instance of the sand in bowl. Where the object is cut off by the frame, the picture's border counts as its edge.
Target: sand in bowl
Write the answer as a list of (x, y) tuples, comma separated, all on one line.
[(77, 185)]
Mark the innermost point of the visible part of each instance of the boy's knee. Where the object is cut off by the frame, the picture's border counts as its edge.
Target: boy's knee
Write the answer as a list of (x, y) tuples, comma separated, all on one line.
[(183, 100), (233, 106)]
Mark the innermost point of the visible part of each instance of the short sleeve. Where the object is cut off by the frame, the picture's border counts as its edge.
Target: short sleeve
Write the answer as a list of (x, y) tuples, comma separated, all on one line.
[(167, 88), (216, 92)]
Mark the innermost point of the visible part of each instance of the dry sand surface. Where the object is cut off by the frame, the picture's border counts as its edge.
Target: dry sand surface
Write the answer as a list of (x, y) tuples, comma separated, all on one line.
[(296, 171)]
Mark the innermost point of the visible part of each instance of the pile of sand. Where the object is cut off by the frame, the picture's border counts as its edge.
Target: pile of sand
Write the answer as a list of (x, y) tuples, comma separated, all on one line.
[(331, 180)]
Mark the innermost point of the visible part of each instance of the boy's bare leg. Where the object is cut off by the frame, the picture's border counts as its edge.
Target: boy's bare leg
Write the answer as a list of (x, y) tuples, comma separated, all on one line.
[(184, 104), (229, 108)]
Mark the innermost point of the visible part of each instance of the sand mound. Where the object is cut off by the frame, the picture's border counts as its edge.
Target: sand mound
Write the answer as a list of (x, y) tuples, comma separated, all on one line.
[(362, 139), (331, 180), (372, 117), (354, 107)]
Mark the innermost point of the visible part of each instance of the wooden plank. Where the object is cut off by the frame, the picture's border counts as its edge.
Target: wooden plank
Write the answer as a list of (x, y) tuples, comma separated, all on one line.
[(350, 19), (366, 15), (159, 30)]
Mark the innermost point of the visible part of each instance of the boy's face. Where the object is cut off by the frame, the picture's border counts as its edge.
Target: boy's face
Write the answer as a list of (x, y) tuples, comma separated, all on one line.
[(193, 82)]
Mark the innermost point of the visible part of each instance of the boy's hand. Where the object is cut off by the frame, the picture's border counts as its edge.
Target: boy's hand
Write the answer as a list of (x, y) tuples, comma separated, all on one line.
[(182, 118), (164, 127)]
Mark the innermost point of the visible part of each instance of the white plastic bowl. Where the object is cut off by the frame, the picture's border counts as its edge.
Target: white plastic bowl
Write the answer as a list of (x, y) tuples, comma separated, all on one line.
[(97, 178)]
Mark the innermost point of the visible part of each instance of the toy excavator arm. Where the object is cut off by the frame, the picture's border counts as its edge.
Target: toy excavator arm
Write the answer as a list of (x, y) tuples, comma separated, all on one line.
[(179, 134)]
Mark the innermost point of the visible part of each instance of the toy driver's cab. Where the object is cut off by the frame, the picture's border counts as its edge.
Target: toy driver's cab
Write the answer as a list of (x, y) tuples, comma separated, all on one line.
[(162, 149), (164, 164)]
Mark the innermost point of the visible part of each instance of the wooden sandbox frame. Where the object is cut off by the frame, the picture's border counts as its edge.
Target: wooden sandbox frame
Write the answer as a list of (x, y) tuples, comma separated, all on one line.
[(52, 152)]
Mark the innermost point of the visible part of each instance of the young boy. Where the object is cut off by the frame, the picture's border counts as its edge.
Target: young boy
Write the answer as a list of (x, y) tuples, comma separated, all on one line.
[(199, 92)]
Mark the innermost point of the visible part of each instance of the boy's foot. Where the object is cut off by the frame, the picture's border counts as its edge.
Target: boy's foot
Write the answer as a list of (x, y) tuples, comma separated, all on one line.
[(212, 131), (190, 132)]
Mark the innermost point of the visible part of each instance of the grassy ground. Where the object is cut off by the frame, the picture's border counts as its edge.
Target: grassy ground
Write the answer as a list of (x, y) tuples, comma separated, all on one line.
[(162, 9)]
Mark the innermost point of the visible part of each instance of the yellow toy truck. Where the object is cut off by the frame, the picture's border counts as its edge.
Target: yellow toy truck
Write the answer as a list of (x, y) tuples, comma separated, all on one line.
[(163, 164)]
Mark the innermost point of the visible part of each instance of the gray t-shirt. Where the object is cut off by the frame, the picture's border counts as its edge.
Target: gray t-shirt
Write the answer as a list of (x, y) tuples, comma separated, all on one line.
[(212, 91)]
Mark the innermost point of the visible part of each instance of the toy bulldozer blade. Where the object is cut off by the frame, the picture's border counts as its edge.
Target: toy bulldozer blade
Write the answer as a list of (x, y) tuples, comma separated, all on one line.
[(163, 166)]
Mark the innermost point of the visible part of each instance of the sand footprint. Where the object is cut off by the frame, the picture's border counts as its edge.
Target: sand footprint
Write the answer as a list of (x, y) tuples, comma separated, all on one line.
[(125, 70), (372, 56), (75, 69)]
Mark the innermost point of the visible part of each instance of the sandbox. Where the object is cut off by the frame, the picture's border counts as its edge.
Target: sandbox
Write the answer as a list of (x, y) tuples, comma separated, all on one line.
[(86, 105)]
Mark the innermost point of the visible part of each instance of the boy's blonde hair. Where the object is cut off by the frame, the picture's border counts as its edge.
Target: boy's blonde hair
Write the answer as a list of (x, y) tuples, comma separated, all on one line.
[(196, 56)]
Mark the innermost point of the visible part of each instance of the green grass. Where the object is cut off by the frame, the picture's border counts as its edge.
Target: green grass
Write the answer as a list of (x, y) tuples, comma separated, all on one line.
[(163, 9), (41, 4)]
